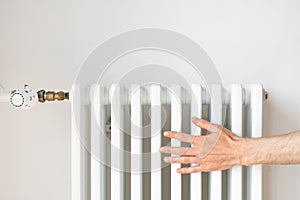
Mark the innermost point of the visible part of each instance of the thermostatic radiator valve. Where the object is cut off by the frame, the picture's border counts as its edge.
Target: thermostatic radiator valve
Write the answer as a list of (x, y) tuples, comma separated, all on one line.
[(26, 97)]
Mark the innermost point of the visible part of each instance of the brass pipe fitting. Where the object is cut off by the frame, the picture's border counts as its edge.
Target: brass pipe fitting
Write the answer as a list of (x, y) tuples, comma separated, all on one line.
[(266, 95), (52, 96)]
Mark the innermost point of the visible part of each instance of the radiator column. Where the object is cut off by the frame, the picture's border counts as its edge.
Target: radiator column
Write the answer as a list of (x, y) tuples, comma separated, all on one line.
[(216, 109), (136, 144), (117, 145), (156, 127), (236, 173), (196, 110), (256, 102), (176, 125)]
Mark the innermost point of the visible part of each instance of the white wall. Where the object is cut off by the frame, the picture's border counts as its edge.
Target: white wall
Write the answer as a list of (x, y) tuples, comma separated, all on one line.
[(44, 42)]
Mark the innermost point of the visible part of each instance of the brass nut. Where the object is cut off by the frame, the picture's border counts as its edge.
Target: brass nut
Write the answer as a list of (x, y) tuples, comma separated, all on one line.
[(52, 96)]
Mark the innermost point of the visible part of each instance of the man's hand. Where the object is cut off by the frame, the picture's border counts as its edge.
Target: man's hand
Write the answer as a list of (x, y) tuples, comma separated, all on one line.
[(219, 150)]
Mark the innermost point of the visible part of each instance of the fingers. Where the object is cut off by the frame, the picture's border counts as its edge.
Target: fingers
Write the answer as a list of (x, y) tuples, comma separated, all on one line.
[(203, 168), (213, 128), (183, 159), (183, 137), (179, 150), (193, 169)]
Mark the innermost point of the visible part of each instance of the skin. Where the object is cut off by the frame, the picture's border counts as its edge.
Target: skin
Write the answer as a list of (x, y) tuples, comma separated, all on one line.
[(222, 149)]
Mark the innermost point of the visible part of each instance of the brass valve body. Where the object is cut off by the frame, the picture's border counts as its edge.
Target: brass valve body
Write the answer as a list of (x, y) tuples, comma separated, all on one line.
[(52, 96)]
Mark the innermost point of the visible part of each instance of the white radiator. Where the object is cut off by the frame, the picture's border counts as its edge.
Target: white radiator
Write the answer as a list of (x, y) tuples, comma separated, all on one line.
[(106, 119)]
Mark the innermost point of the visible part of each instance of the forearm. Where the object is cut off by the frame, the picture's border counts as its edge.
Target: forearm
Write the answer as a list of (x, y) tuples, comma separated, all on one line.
[(283, 149)]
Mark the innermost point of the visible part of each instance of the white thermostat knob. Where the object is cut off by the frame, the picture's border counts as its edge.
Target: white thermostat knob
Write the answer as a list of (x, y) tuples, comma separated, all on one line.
[(23, 98), (17, 100)]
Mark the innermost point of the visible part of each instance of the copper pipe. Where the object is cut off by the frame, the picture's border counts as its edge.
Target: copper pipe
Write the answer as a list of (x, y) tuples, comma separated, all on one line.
[(52, 96)]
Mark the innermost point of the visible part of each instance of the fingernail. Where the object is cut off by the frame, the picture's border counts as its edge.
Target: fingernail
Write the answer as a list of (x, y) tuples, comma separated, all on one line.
[(167, 159), (179, 170), (195, 120), (162, 148), (166, 133)]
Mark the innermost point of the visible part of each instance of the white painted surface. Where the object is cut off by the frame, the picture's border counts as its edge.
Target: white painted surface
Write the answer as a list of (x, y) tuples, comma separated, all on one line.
[(235, 174), (216, 107), (256, 131), (117, 145), (43, 43), (196, 110), (156, 131), (176, 125), (136, 144)]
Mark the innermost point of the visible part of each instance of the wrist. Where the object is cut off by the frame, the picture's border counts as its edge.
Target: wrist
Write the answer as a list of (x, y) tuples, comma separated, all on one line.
[(252, 151)]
